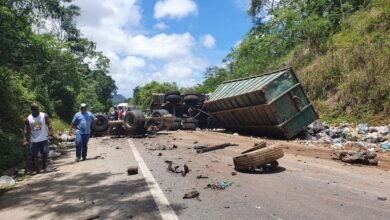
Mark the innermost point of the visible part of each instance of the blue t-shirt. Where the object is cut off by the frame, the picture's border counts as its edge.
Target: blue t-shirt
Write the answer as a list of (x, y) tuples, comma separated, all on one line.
[(83, 122)]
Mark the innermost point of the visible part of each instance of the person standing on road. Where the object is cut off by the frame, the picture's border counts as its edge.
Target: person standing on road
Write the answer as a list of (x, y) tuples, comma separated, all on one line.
[(82, 122), (37, 130)]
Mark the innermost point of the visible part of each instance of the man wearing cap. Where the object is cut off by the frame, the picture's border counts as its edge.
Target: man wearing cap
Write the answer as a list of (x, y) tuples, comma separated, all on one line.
[(37, 128), (82, 122)]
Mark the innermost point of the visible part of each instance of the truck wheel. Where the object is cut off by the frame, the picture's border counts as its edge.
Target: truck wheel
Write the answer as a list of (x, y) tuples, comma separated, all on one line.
[(101, 124), (191, 99), (159, 113), (173, 98), (176, 123), (189, 124), (135, 121), (258, 158)]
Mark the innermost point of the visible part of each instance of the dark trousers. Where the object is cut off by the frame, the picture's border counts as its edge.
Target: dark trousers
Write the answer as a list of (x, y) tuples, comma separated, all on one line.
[(81, 145)]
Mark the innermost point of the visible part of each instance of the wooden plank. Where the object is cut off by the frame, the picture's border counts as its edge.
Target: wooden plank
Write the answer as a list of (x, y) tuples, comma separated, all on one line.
[(215, 147)]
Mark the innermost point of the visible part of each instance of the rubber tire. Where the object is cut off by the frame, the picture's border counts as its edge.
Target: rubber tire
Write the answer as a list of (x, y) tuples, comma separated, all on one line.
[(189, 126), (159, 113), (258, 157), (172, 93), (134, 121), (191, 99), (173, 98), (101, 124), (189, 120), (177, 123)]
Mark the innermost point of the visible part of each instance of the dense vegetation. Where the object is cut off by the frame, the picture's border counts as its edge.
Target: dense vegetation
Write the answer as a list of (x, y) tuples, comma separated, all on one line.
[(47, 65), (340, 49)]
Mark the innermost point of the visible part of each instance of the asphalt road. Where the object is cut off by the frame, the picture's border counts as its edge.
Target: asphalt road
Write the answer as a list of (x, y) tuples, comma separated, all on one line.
[(302, 188)]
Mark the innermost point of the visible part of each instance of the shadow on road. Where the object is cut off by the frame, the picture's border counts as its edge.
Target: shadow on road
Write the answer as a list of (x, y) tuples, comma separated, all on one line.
[(82, 196), (266, 170)]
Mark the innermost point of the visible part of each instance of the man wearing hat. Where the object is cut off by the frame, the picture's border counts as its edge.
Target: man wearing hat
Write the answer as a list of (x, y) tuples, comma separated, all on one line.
[(37, 128), (82, 122)]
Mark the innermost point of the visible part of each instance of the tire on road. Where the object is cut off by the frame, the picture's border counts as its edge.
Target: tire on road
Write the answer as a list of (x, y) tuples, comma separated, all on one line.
[(258, 158), (101, 124), (159, 113), (134, 121)]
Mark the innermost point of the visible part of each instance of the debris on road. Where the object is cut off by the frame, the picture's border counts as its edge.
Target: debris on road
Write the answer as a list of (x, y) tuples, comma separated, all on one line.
[(218, 186), (6, 181), (185, 170), (382, 198), (201, 146), (191, 195), (215, 147), (256, 146), (258, 158), (132, 170), (53, 154), (234, 173), (362, 157), (202, 177), (159, 154)]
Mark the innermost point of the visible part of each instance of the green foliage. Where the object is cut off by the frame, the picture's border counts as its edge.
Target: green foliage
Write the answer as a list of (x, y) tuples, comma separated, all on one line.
[(48, 68), (340, 49), (59, 125), (142, 95)]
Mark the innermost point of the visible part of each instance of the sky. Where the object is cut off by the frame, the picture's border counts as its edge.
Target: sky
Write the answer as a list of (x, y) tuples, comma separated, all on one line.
[(162, 40)]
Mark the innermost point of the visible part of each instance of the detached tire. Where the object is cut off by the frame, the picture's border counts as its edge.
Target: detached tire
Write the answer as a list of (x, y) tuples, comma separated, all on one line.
[(258, 158), (159, 113), (134, 121), (101, 124)]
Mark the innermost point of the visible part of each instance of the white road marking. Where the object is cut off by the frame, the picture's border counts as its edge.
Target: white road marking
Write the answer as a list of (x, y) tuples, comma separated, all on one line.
[(162, 202)]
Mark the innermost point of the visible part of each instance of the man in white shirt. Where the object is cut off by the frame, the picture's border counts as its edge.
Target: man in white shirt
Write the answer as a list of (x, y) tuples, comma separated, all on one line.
[(37, 128)]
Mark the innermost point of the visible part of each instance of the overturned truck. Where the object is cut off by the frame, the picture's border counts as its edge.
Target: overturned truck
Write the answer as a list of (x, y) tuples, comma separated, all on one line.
[(272, 104)]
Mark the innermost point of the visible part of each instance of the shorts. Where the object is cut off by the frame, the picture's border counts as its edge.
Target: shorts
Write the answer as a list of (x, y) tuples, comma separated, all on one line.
[(42, 147)]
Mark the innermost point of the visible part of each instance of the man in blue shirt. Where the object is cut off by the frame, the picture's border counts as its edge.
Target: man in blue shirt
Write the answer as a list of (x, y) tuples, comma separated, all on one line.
[(82, 122)]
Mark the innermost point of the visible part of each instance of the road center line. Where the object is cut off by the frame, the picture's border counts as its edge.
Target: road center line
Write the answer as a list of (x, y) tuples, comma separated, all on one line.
[(162, 202)]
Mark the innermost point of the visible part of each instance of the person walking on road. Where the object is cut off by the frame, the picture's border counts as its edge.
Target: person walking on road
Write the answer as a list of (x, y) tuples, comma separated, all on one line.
[(37, 130), (82, 122)]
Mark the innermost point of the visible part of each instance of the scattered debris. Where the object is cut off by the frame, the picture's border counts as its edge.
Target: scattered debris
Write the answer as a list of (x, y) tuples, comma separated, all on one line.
[(215, 147), (191, 195), (159, 154), (235, 134), (234, 173), (185, 170), (362, 157), (219, 186), (202, 177), (132, 170), (258, 158), (6, 181), (201, 146), (382, 198), (98, 157), (53, 154), (21, 172), (93, 217), (117, 148), (256, 146), (195, 142)]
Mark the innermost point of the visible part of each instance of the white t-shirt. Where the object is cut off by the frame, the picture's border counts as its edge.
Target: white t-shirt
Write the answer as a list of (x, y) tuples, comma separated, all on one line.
[(38, 128)]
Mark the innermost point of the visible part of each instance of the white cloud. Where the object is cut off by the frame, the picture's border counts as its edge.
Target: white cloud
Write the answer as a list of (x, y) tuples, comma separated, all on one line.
[(174, 8), (137, 58), (208, 41), (161, 26)]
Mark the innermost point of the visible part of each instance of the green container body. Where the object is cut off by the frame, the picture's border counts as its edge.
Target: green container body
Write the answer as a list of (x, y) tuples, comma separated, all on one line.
[(272, 104)]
